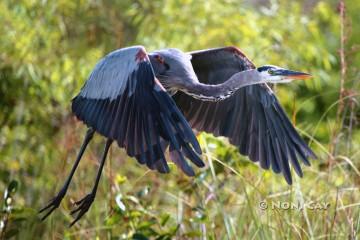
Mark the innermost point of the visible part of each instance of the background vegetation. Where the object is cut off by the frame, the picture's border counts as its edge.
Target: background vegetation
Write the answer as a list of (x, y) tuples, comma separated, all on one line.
[(48, 49)]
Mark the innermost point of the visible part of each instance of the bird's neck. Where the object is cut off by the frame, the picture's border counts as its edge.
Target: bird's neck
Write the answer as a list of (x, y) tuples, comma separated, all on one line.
[(218, 92)]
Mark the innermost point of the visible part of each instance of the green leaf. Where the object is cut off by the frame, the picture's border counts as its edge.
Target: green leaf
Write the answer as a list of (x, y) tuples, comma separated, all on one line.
[(11, 233), (139, 236)]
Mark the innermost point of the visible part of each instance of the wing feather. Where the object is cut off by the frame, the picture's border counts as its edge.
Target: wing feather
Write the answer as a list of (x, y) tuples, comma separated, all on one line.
[(252, 118), (122, 100)]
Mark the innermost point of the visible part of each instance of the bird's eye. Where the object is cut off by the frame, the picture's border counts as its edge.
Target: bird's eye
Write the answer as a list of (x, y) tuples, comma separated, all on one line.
[(159, 58), (271, 71)]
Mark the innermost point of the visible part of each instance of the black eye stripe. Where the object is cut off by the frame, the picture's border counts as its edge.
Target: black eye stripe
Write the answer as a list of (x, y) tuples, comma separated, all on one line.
[(264, 68)]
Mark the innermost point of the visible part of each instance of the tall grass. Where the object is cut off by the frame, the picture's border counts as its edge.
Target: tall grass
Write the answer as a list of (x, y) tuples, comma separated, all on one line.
[(225, 200)]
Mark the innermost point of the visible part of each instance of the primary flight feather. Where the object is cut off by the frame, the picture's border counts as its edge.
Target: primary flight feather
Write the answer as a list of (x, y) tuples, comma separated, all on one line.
[(149, 103)]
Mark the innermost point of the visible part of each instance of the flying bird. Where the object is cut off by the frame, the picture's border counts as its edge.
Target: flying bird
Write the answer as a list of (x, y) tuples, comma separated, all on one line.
[(149, 103)]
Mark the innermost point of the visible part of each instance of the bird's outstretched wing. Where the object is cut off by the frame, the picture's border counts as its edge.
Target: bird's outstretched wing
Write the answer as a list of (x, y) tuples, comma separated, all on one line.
[(122, 100), (252, 118)]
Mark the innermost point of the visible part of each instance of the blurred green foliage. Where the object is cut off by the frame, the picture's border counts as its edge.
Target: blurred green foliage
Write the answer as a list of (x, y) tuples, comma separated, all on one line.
[(47, 50)]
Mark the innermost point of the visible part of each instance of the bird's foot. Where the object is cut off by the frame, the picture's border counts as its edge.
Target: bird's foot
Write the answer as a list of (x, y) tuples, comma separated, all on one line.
[(83, 206), (53, 204)]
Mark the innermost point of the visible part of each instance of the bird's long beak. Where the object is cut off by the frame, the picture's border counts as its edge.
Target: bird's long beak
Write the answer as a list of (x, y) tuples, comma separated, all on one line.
[(294, 75)]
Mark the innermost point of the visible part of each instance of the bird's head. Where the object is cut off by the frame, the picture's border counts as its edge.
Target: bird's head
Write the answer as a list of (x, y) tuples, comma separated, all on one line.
[(274, 74), (172, 67)]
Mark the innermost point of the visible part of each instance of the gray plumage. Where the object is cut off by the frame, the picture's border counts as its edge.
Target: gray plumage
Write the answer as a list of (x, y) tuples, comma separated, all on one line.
[(132, 97), (111, 74)]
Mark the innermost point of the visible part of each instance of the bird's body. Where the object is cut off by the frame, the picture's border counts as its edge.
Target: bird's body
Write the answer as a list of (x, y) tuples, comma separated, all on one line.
[(149, 104)]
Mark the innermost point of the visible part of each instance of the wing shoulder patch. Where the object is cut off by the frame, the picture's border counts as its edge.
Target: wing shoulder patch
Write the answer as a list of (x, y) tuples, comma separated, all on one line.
[(127, 103)]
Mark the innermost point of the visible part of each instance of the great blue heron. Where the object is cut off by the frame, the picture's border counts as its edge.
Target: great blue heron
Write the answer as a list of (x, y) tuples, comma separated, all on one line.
[(132, 97)]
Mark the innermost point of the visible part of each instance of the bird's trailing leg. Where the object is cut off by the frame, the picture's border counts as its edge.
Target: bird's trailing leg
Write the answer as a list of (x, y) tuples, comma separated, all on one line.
[(55, 202), (84, 204)]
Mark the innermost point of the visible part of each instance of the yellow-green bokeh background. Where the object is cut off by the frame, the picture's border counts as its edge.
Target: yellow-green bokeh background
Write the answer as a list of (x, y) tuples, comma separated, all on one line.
[(47, 50)]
